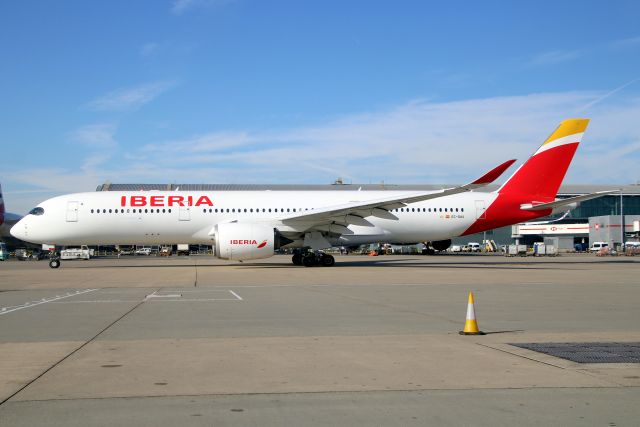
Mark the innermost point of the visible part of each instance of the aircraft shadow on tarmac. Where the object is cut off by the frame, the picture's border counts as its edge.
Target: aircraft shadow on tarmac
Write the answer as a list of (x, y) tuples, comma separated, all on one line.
[(414, 263), (385, 263)]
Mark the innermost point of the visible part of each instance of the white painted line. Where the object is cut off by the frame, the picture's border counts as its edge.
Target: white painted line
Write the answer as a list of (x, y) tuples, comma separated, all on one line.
[(156, 295), (164, 296), (193, 300), (235, 295), (7, 310), (96, 301)]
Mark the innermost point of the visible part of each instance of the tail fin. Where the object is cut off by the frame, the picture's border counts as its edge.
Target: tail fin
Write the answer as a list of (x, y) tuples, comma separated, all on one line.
[(540, 177)]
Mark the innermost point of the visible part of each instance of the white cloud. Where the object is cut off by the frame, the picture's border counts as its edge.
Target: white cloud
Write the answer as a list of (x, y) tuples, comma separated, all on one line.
[(131, 98), (607, 95), (181, 6), (418, 142), (99, 136), (625, 43), (149, 49), (210, 142), (555, 57)]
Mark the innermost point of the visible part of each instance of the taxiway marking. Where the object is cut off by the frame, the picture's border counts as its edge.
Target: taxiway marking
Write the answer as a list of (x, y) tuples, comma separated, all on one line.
[(7, 310)]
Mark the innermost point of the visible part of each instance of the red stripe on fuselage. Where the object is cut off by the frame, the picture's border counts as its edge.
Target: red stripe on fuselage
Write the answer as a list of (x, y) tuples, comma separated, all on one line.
[(505, 210), (538, 180)]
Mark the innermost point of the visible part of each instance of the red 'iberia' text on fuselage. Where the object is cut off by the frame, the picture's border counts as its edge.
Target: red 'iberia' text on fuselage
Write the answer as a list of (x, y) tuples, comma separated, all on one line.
[(137, 201)]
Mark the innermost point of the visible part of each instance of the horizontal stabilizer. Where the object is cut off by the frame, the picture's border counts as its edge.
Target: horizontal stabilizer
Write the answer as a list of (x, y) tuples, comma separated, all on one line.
[(564, 202)]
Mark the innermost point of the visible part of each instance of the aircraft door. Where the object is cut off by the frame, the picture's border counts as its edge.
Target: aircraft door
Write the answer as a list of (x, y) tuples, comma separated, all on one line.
[(481, 210), (184, 213), (72, 211)]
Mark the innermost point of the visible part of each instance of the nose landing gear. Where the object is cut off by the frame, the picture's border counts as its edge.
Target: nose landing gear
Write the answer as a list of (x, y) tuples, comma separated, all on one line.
[(54, 260)]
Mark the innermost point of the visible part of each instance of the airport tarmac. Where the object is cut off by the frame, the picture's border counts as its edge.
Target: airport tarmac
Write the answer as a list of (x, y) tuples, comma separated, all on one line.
[(372, 341)]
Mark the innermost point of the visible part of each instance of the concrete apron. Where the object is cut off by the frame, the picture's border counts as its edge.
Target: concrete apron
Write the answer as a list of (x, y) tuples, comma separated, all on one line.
[(171, 367)]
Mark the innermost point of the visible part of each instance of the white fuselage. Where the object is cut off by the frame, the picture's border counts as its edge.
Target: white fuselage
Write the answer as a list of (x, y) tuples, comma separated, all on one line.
[(119, 218)]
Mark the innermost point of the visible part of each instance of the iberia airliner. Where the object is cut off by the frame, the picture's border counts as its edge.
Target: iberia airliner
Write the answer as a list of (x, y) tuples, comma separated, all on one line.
[(244, 225)]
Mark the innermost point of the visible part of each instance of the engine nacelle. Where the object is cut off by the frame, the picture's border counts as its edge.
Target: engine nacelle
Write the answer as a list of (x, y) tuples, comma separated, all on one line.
[(441, 245), (246, 240)]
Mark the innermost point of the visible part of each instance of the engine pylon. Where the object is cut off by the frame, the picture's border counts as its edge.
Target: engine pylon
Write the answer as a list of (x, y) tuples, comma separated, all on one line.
[(471, 324)]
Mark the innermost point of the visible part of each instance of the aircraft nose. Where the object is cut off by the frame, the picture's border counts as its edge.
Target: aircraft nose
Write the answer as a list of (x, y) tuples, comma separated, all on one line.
[(19, 230)]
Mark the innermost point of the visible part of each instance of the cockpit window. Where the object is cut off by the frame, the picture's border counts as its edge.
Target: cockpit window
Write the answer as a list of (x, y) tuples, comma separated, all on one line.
[(36, 211)]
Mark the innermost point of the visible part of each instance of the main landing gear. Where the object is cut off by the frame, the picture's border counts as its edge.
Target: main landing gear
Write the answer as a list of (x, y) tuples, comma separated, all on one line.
[(312, 259)]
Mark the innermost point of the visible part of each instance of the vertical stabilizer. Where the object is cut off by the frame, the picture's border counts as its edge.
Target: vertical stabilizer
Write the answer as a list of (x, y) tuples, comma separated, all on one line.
[(535, 182), (540, 177)]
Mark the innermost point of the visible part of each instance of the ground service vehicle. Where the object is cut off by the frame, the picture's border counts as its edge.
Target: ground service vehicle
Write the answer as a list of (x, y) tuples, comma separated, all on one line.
[(598, 246), (82, 252)]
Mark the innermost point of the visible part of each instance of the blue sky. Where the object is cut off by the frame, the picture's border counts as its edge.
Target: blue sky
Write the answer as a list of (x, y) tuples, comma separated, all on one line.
[(245, 91)]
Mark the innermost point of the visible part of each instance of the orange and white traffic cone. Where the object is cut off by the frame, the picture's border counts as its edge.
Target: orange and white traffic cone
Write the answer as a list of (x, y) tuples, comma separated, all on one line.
[(471, 325)]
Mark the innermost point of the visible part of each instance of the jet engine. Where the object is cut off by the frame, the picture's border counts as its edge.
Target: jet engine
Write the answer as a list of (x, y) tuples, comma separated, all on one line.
[(246, 240), (441, 245)]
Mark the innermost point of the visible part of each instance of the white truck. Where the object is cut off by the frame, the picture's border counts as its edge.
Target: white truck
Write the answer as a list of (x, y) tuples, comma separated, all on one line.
[(474, 247), (143, 251), (83, 252), (183, 249), (599, 246)]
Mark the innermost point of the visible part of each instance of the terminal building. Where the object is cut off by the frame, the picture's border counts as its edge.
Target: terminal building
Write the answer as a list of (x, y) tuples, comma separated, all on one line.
[(593, 220)]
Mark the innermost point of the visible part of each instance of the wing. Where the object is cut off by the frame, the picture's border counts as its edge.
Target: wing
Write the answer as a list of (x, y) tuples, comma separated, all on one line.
[(356, 212)]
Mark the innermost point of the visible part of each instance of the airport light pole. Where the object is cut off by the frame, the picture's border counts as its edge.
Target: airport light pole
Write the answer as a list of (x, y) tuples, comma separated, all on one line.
[(621, 222)]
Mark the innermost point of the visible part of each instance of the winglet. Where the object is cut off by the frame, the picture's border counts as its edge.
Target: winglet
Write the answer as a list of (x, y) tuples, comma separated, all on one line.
[(493, 174)]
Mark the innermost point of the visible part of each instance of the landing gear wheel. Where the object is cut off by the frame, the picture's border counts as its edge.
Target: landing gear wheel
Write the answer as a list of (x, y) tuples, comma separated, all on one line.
[(54, 263), (309, 260), (327, 260), (296, 259)]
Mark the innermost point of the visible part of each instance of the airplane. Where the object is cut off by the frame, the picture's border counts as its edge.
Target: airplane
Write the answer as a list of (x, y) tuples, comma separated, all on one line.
[(248, 225)]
